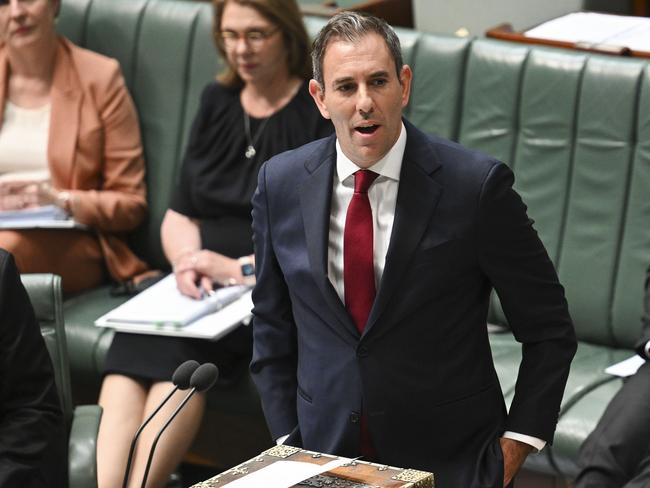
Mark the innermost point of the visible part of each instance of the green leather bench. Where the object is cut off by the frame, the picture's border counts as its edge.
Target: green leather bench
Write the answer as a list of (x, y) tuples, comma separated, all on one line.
[(575, 128)]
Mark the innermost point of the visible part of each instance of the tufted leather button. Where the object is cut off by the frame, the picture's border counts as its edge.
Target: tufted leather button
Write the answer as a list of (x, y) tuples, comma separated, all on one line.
[(355, 418)]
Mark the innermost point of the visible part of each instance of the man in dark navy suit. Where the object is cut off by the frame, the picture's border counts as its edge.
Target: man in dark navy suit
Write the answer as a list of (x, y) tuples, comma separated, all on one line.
[(377, 250)]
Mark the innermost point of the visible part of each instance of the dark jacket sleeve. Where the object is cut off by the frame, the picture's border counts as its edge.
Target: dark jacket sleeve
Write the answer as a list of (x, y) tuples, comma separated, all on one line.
[(533, 300), (33, 447), (645, 333), (274, 362)]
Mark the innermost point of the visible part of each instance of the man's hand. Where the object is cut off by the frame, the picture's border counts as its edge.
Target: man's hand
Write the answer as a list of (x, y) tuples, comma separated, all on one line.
[(514, 455)]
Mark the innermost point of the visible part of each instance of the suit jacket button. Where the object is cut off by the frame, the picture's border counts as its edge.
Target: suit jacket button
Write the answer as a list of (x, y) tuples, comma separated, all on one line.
[(362, 352), (355, 417)]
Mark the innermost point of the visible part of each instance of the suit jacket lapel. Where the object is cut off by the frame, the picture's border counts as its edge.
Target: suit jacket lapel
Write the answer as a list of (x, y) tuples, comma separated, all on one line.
[(65, 119), (315, 202), (417, 199)]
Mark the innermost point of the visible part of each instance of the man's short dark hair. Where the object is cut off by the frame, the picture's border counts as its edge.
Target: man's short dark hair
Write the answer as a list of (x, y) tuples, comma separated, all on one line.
[(351, 27)]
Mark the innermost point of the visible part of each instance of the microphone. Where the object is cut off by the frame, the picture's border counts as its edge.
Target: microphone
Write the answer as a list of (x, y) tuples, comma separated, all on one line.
[(181, 379), (202, 380)]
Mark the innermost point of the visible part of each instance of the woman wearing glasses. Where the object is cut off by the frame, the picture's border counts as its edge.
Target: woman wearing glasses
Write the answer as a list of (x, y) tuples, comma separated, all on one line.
[(69, 137), (259, 107)]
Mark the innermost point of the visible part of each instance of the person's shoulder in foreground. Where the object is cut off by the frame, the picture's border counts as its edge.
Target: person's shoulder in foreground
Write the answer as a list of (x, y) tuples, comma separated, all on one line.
[(33, 440)]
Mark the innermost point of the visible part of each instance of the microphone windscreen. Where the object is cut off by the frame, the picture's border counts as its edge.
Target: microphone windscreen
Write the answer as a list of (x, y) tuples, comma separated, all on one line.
[(204, 377), (183, 374)]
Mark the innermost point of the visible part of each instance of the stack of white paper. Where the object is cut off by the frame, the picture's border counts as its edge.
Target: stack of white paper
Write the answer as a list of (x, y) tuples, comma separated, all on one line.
[(596, 29), (162, 310), (45, 217)]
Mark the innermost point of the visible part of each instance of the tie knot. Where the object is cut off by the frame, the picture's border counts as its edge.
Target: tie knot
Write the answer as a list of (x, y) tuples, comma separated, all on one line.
[(363, 179)]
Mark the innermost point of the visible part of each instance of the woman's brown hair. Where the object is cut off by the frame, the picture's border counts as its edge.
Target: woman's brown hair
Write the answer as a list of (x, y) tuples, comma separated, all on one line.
[(283, 13)]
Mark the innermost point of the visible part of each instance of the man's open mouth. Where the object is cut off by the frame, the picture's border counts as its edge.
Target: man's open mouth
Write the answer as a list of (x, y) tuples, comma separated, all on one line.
[(370, 129)]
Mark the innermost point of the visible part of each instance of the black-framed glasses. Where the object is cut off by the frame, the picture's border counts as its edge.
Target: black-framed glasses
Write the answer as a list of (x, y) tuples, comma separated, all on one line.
[(254, 38)]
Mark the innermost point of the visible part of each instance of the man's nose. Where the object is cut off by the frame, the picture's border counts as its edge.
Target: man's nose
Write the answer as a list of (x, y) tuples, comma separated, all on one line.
[(365, 103)]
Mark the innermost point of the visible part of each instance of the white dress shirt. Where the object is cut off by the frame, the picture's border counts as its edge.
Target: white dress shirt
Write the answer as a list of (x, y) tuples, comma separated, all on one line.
[(383, 198)]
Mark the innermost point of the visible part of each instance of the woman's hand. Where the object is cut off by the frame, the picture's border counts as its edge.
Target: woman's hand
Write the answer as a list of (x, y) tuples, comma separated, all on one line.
[(196, 271), (18, 194)]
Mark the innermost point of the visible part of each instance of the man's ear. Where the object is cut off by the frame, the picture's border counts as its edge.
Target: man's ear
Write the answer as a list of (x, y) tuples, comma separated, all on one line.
[(405, 78), (318, 95)]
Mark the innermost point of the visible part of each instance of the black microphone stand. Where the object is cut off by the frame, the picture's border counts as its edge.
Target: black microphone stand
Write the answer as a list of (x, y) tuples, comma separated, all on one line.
[(127, 471), (155, 441)]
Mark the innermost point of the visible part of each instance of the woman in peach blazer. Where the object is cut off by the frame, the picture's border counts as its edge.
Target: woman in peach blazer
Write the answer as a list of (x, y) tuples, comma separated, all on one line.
[(94, 167)]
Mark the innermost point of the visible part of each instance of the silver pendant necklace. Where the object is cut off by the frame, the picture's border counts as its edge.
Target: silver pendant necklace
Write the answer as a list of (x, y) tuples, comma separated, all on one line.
[(252, 140)]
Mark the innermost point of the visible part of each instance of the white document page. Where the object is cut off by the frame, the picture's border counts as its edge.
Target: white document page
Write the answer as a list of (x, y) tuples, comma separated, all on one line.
[(637, 38), (162, 304), (45, 217), (626, 368), (595, 28), (284, 474), (212, 326)]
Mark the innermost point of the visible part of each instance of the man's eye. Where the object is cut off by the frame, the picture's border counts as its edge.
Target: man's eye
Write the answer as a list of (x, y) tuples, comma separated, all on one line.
[(344, 88), (379, 81)]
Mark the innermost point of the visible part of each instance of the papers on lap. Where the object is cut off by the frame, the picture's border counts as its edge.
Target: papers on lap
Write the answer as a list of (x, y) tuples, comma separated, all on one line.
[(163, 310), (45, 217), (626, 368)]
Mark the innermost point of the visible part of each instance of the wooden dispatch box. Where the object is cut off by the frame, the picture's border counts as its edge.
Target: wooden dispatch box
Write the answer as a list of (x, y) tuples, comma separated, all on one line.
[(356, 474)]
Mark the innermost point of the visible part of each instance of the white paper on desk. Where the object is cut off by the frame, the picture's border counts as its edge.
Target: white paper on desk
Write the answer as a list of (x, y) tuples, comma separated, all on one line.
[(626, 368), (284, 474), (591, 28)]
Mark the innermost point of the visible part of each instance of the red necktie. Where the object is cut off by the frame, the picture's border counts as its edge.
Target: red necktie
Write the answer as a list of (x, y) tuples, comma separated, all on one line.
[(358, 265), (359, 271)]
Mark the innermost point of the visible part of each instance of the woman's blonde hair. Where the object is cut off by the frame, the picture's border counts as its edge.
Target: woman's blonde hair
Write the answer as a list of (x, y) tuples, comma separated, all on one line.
[(282, 13)]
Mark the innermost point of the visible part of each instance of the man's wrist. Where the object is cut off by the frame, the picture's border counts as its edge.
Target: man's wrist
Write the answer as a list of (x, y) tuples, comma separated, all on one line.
[(536, 443)]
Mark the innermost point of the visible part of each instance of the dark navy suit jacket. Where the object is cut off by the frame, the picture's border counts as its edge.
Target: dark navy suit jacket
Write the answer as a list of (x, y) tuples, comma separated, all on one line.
[(422, 371)]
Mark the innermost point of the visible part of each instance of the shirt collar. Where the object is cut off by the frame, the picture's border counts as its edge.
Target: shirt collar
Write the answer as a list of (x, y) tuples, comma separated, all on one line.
[(389, 166)]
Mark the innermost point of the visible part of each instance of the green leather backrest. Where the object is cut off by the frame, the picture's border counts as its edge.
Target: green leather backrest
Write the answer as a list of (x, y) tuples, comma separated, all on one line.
[(574, 127), (203, 64), (44, 292), (570, 125), (438, 65), (491, 98), (634, 250), (166, 54), (596, 211), (72, 20)]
